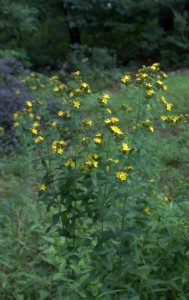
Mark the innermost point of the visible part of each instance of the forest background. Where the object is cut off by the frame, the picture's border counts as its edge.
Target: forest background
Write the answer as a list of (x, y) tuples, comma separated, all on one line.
[(97, 33)]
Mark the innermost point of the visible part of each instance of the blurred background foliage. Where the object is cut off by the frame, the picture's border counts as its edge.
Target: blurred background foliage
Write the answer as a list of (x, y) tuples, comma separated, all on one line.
[(55, 33)]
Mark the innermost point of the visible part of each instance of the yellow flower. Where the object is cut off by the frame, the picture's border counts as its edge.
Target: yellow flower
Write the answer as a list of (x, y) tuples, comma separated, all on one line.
[(125, 147), (151, 180), (97, 140), (34, 130), (35, 124), (98, 134), (105, 98), (70, 163), (67, 114), (60, 113), (84, 85), (169, 106), (95, 164), (42, 187), (54, 124), (126, 79), (31, 115), (164, 118), (17, 92), (60, 150), (38, 139), (29, 104), (116, 161), (91, 160), (175, 118), (111, 121), (130, 168), (54, 145), (62, 143), (151, 128), (159, 83), (15, 115), (116, 130), (76, 104), (84, 141), (95, 156), (33, 87), (165, 199), (16, 124), (108, 110), (57, 146), (71, 94), (147, 210), (54, 78), (164, 87), (154, 66), (163, 74), (89, 122), (138, 80), (122, 176), (163, 100), (148, 106), (148, 85), (150, 93), (77, 73), (144, 75), (56, 89), (62, 86)]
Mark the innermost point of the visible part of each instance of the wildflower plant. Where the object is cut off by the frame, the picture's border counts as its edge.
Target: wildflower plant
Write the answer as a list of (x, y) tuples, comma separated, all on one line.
[(99, 184)]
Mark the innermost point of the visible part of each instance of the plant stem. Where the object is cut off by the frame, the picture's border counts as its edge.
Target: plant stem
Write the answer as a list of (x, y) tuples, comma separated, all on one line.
[(55, 192)]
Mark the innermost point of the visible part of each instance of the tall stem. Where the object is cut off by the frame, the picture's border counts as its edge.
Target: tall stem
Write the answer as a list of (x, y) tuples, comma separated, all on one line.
[(105, 189), (75, 181), (55, 192)]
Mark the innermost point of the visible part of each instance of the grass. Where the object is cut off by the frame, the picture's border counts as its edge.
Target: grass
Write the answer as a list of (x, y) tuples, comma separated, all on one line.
[(178, 92)]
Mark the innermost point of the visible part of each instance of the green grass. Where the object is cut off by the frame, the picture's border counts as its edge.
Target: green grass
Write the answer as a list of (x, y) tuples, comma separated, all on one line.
[(23, 221), (178, 91)]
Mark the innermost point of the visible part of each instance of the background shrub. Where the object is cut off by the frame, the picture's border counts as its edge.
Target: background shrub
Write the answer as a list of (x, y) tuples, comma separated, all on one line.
[(12, 94)]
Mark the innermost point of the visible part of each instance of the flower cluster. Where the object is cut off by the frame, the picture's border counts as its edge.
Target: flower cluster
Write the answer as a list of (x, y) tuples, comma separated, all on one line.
[(70, 163), (175, 118), (104, 99), (167, 105), (58, 146), (92, 161), (151, 79), (38, 139)]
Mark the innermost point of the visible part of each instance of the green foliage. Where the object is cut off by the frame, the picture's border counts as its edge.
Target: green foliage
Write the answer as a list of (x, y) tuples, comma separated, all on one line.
[(117, 231), (95, 65), (134, 32), (18, 20), (24, 274)]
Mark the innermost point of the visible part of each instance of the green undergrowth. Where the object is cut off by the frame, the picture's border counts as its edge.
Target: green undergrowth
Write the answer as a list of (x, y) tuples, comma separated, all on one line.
[(66, 234)]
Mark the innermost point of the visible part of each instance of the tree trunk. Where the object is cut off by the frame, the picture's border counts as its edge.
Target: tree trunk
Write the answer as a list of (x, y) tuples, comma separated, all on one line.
[(74, 32)]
